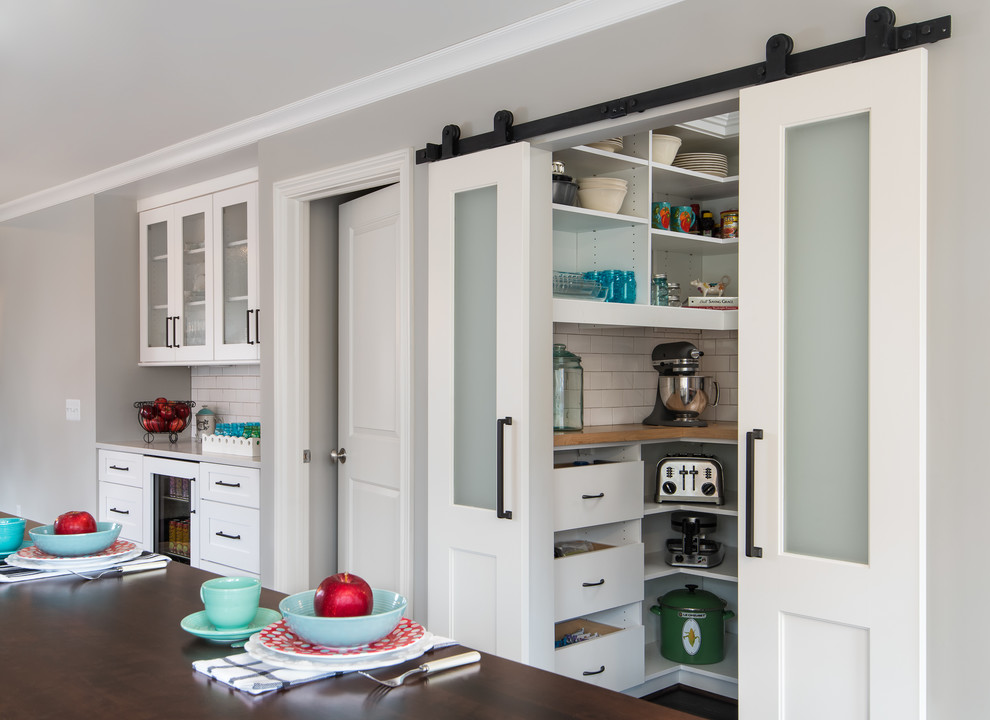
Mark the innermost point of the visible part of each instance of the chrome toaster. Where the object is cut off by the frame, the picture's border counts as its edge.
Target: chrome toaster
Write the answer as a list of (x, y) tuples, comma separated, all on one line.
[(690, 478)]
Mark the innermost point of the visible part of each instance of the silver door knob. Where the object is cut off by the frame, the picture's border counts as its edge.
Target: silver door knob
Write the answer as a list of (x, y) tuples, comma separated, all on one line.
[(340, 455)]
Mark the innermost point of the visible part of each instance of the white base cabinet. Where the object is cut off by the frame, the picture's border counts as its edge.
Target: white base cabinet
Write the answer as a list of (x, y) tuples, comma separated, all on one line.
[(218, 505)]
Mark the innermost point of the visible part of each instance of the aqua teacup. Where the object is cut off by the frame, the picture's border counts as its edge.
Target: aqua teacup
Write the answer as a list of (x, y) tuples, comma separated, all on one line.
[(11, 534), (230, 602)]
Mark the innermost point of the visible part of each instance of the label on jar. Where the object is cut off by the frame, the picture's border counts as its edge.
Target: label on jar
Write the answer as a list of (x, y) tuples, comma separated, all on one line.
[(730, 224)]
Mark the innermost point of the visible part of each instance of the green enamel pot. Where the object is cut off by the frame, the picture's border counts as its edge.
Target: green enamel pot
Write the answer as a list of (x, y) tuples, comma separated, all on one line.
[(692, 626)]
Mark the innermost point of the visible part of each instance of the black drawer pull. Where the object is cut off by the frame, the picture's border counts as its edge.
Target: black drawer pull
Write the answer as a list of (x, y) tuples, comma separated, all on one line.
[(221, 533), (599, 671), (223, 484), (114, 467), (593, 497), (121, 512), (600, 582)]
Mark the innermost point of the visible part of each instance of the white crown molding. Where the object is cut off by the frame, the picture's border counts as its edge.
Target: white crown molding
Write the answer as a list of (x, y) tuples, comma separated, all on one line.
[(568, 21)]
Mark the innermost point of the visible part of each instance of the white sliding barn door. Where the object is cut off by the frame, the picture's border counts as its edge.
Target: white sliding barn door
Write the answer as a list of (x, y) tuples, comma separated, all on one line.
[(832, 370), (490, 373)]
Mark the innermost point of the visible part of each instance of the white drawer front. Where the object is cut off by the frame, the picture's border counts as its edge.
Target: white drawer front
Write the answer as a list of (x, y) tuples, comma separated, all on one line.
[(589, 495), (614, 661), (229, 535), (118, 467), (593, 581), (125, 505), (230, 484)]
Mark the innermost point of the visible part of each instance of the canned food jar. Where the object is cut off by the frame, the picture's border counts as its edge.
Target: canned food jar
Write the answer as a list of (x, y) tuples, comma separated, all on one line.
[(692, 626), (730, 224)]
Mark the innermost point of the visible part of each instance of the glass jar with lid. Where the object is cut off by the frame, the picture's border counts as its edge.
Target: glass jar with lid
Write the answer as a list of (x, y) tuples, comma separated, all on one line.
[(568, 389)]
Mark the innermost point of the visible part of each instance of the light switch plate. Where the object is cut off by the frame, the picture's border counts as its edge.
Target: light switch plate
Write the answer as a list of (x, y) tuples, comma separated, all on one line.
[(73, 410)]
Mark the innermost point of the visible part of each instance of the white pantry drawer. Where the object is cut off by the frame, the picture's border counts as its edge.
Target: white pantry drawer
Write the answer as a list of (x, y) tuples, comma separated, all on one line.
[(587, 495), (230, 484), (126, 505), (614, 661), (588, 582), (229, 535), (121, 467)]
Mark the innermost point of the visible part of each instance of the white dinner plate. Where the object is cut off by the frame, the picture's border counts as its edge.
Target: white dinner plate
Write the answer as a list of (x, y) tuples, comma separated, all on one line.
[(255, 649), (31, 557)]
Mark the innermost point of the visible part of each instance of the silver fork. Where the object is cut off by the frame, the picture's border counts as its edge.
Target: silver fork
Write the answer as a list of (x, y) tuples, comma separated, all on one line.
[(429, 668)]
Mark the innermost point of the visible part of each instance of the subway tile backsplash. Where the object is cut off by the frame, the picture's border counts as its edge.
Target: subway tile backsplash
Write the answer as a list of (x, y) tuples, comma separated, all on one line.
[(620, 384), (233, 392)]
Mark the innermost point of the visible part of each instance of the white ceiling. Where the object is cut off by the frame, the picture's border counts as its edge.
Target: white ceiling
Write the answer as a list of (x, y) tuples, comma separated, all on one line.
[(86, 85)]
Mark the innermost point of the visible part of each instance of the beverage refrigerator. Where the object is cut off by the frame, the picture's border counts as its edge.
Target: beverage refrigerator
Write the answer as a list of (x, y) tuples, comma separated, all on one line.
[(175, 499)]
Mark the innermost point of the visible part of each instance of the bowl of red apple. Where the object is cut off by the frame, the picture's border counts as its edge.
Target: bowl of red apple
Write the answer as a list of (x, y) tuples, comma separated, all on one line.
[(344, 611), (75, 533)]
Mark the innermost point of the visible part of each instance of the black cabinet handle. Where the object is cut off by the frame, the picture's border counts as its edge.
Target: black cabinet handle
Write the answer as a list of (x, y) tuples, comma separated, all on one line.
[(221, 533), (221, 483), (122, 469), (593, 497), (175, 334), (257, 335), (500, 510), (247, 326), (751, 437), (120, 512), (167, 321), (599, 671), (600, 582)]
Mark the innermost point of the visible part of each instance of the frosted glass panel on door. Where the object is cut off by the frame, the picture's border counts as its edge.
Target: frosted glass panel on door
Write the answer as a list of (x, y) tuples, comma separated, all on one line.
[(194, 279), (826, 251), (235, 273), (474, 347), (157, 283)]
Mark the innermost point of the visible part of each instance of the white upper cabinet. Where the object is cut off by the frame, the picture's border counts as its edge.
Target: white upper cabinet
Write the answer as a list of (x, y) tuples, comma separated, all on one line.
[(199, 279), (235, 272)]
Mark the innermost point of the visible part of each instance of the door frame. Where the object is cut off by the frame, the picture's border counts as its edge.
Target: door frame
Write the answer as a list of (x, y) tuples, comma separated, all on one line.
[(289, 356)]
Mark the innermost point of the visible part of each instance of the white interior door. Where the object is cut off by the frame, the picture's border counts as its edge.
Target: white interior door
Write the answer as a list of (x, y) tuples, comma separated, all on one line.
[(490, 578), (832, 370), (374, 493)]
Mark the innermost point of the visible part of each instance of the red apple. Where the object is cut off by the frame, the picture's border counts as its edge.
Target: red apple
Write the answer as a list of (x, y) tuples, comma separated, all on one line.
[(75, 522), (167, 412), (343, 595), (176, 425), (148, 411), (182, 410)]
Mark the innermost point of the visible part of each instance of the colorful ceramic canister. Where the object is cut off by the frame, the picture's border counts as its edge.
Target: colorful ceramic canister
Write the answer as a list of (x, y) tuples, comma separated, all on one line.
[(661, 215)]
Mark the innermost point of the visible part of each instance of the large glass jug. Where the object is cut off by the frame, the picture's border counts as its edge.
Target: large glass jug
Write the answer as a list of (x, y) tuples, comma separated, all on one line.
[(568, 390)]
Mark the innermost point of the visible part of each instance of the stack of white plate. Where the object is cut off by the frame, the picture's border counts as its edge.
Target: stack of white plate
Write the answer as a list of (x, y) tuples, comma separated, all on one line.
[(609, 145), (710, 163)]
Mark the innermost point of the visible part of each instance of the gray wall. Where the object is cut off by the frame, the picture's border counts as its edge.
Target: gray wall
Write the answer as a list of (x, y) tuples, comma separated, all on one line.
[(47, 339)]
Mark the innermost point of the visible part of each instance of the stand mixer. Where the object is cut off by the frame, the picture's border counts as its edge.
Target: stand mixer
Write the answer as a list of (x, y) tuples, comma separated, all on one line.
[(681, 394)]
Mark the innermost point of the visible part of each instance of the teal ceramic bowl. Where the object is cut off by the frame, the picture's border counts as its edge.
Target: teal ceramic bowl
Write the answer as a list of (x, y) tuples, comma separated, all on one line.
[(75, 545), (11, 534), (342, 631)]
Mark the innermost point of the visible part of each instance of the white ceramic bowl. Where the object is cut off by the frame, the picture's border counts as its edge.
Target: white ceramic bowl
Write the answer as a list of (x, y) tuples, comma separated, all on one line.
[(603, 199), (665, 148), (605, 182)]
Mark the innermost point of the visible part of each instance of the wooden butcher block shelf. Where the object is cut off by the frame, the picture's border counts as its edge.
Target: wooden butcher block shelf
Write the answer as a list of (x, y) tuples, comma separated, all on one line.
[(602, 434)]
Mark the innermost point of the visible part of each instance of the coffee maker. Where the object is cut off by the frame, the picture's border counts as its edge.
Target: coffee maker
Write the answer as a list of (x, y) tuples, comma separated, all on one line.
[(681, 394)]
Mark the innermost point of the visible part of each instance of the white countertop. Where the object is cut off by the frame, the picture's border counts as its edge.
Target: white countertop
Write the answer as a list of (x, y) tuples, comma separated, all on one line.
[(185, 449)]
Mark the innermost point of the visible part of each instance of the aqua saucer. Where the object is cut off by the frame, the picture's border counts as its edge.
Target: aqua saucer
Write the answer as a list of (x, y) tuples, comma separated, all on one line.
[(198, 625), (27, 543)]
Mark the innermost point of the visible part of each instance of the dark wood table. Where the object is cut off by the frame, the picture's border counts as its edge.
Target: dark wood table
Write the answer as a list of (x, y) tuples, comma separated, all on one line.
[(113, 648)]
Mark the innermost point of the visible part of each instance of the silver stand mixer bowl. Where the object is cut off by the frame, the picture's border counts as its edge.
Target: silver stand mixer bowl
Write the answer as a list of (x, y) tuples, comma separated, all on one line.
[(686, 396)]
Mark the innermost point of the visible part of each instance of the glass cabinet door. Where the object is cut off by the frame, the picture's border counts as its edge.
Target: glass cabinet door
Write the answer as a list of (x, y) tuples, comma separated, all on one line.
[(235, 254), (193, 331), (156, 278)]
